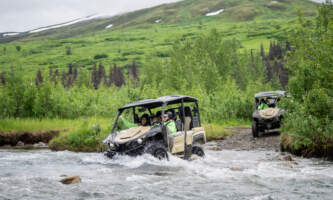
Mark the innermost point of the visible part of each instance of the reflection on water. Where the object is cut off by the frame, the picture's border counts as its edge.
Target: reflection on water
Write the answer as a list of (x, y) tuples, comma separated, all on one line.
[(224, 174)]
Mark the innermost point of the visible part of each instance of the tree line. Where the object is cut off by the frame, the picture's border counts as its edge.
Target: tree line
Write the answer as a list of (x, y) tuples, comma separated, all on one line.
[(96, 77)]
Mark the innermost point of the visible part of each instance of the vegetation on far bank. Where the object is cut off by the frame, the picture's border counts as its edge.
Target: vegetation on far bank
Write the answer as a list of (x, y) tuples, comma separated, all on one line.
[(308, 127), (87, 134), (88, 137)]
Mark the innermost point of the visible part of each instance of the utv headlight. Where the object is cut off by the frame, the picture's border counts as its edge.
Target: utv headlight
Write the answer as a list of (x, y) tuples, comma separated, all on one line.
[(140, 141), (111, 145)]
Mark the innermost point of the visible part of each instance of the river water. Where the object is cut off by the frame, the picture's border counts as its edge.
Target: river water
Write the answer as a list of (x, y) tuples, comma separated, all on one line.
[(226, 174)]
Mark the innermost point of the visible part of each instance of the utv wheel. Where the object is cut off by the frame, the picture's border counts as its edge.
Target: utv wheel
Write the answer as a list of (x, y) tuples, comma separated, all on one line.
[(255, 131), (109, 154), (157, 150), (197, 150)]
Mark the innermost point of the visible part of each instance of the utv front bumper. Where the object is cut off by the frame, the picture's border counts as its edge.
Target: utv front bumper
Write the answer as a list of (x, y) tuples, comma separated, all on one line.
[(271, 123), (131, 149)]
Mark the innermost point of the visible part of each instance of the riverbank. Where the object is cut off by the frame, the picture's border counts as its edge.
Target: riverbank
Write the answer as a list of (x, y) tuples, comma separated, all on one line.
[(21, 138), (318, 149), (82, 134)]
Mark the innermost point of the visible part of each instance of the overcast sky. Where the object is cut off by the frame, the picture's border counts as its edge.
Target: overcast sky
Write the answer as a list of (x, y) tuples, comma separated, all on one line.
[(23, 15)]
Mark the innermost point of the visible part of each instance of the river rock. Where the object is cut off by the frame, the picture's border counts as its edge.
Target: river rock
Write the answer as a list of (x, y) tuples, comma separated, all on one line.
[(288, 158), (287, 164), (71, 180), (40, 144), (236, 169), (161, 174), (20, 144)]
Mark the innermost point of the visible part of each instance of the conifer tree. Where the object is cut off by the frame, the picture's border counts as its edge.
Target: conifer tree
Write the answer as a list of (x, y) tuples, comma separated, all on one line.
[(134, 71), (262, 51), (75, 74), (63, 79), (39, 78), (94, 77), (3, 78)]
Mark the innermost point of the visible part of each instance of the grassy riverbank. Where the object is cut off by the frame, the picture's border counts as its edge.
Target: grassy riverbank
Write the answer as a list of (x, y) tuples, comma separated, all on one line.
[(88, 134)]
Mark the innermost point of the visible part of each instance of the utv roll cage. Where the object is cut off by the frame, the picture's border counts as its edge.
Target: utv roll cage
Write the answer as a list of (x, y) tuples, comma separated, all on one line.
[(163, 102), (160, 102), (272, 94)]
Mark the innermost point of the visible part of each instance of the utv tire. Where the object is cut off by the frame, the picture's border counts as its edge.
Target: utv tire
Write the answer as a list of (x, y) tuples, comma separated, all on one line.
[(197, 150), (109, 154), (157, 150), (255, 131)]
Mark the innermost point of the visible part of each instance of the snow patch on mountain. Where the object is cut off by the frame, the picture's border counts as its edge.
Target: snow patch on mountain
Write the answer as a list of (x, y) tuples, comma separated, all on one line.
[(66, 24), (10, 34), (109, 26), (215, 13)]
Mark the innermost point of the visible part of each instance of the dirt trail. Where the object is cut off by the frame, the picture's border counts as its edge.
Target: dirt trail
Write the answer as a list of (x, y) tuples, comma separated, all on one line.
[(242, 139)]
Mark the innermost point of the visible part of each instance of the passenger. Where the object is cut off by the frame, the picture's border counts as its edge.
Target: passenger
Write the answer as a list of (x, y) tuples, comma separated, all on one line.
[(169, 122), (144, 121), (262, 105), (124, 124), (157, 118)]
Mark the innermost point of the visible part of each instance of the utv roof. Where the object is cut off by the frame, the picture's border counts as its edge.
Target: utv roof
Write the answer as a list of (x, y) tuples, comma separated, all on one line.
[(152, 103), (270, 93)]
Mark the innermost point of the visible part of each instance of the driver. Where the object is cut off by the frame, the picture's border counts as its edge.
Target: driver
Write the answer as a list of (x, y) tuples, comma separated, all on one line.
[(157, 118), (124, 124), (262, 105), (169, 122)]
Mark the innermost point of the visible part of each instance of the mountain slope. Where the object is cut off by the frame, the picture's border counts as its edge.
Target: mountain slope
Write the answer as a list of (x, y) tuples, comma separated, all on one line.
[(150, 33), (187, 11)]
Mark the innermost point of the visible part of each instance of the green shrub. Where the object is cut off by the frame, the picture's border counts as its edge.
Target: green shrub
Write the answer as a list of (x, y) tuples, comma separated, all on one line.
[(308, 123), (87, 138), (100, 56), (162, 54)]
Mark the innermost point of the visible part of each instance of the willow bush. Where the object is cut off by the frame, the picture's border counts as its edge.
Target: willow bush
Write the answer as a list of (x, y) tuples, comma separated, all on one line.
[(308, 127)]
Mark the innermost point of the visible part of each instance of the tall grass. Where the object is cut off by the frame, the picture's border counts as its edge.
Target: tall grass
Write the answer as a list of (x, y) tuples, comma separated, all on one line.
[(35, 124)]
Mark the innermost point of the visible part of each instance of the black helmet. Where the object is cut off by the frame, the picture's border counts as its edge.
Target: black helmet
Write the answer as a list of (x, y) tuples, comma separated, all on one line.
[(169, 114)]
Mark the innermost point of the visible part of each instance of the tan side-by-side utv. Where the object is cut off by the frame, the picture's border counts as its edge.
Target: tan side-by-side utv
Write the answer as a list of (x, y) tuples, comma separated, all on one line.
[(155, 138), (268, 117)]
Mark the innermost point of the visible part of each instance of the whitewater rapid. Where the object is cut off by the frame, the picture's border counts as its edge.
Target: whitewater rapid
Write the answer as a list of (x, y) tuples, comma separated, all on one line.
[(226, 174)]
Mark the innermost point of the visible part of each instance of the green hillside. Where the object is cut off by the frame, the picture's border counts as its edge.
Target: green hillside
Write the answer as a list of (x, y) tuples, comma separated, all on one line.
[(136, 35)]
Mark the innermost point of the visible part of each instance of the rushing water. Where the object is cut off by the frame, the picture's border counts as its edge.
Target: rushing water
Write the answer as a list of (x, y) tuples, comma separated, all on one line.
[(226, 174)]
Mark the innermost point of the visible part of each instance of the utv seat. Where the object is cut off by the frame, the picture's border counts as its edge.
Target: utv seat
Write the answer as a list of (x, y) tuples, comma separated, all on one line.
[(179, 125), (188, 118)]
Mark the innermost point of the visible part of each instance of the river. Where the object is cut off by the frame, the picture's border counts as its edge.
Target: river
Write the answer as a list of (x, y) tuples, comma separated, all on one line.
[(226, 174)]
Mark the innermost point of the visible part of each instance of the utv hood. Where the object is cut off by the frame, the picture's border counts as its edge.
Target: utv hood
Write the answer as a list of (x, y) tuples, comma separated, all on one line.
[(268, 113), (131, 134)]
